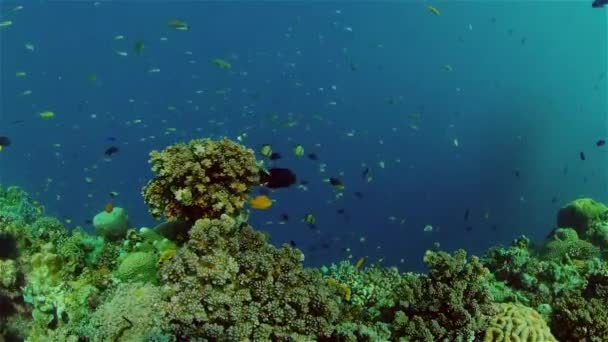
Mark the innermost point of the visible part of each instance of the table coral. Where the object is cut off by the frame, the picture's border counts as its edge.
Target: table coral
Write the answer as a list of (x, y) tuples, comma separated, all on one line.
[(204, 178)]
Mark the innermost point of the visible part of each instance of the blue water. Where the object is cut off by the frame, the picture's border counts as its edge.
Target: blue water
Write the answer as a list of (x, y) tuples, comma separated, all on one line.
[(526, 94)]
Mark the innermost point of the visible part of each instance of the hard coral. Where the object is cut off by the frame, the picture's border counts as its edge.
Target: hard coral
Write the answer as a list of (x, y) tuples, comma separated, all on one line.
[(580, 215), (228, 284), (451, 303), (204, 178), (516, 322)]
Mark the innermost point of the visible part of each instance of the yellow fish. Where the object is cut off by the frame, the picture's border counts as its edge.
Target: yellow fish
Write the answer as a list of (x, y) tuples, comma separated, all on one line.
[(47, 115), (433, 10), (260, 202)]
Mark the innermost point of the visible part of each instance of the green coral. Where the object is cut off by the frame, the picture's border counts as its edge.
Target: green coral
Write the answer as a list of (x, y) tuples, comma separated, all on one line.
[(228, 283), (204, 178), (564, 242), (451, 303), (138, 267), (131, 313), (516, 322), (580, 215)]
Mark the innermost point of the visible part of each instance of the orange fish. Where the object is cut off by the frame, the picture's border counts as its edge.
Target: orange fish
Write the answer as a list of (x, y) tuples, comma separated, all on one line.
[(109, 207), (260, 202)]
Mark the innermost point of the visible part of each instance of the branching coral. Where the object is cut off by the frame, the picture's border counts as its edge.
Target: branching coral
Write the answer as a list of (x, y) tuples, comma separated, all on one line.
[(203, 178), (451, 303), (228, 283)]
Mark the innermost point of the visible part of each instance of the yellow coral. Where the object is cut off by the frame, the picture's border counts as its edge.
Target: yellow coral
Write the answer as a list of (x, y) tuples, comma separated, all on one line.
[(516, 322), (165, 256)]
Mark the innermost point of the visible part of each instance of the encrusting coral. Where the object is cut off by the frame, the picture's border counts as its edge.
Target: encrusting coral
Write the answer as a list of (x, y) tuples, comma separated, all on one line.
[(204, 178)]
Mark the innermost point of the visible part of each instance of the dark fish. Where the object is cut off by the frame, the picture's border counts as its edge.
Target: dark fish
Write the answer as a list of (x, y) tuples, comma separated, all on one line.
[(313, 156), (275, 156), (365, 173), (582, 155), (16, 122), (599, 3), (600, 142), (88, 221), (354, 67), (292, 243), (304, 182), (469, 228), (336, 183), (494, 227), (358, 194), (554, 200), (278, 178), (284, 217), (4, 141), (111, 150), (341, 211), (466, 214), (516, 173), (111, 139)]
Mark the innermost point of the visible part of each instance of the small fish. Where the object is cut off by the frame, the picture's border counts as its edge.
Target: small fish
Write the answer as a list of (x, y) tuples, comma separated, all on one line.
[(313, 156), (14, 122), (310, 220), (278, 178), (139, 48), (341, 211), (365, 173), (47, 114), (275, 156), (221, 63), (469, 228), (114, 194), (582, 155), (516, 173), (433, 10), (336, 183), (260, 202), (466, 214), (292, 243), (109, 207), (600, 142), (358, 194), (178, 25), (298, 150), (284, 217), (554, 200), (4, 142), (266, 150), (6, 23), (110, 151), (599, 3)]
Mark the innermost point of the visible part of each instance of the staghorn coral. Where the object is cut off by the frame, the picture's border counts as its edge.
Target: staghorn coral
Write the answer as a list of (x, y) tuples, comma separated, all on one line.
[(451, 303), (228, 283), (516, 322), (203, 178)]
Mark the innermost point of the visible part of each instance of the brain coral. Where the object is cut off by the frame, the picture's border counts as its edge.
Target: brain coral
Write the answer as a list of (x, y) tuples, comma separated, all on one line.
[(516, 322), (204, 178)]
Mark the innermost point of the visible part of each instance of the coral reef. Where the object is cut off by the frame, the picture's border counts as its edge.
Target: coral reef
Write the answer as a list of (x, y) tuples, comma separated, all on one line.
[(206, 275), (203, 178)]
